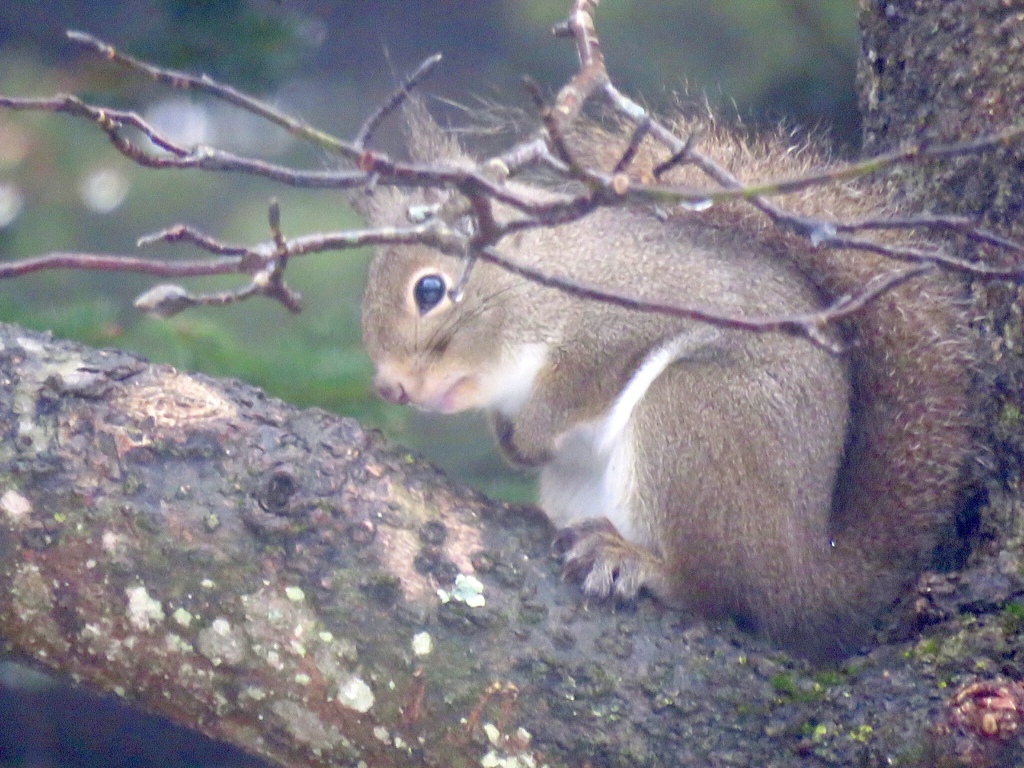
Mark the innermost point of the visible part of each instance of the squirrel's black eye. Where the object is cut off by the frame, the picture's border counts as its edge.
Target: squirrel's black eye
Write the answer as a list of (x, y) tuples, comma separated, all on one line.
[(429, 291)]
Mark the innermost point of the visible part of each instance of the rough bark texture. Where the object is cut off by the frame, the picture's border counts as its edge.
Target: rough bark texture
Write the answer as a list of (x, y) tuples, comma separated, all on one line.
[(264, 575), (948, 71)]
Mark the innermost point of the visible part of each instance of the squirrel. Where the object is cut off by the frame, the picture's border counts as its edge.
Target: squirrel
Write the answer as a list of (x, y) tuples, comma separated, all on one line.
[(732, 474)]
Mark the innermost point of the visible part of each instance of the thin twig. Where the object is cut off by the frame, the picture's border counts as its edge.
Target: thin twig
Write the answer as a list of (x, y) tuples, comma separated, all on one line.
[(635, 140), (433, 233), (808, 325), (556, 139), (871, 165), (395, 100), (110, 120), (271, 279), (734, 189), (116, 263), (113, 121), (916, 255), (679, 157), (185, 233), (592, 75), (961, 225), (206, 84)]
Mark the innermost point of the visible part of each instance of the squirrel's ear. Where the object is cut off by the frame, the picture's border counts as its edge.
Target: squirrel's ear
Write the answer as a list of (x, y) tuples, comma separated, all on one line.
[(374, 206), (426, 140)]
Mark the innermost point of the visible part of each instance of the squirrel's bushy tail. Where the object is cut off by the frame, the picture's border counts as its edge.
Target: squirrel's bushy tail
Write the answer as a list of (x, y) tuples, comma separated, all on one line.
[(912, 360), (911, 432)]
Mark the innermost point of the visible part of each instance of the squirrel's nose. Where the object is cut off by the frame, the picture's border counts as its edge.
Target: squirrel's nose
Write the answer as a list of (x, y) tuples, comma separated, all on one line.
[(393, 392)]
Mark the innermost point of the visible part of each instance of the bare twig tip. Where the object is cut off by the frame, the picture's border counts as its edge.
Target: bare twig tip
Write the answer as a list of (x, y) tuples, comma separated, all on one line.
[(395, 100), (164, 301), (92, 41), (562, 29)]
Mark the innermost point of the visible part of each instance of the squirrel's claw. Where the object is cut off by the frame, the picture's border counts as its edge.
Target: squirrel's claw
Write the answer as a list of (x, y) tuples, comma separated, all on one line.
[(595, 554)]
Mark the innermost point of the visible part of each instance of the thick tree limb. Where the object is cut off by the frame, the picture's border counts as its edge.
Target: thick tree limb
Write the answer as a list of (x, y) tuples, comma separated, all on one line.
[(273, 578)]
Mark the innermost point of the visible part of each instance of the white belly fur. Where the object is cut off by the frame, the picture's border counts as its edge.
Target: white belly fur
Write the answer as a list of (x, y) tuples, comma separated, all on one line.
[(510, 385), (592, 473)]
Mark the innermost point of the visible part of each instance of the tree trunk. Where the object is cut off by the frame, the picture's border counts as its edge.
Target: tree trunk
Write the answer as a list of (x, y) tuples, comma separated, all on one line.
[(948, 71)]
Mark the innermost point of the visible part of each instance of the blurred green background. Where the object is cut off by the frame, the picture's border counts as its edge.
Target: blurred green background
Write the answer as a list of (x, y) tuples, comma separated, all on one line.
[(62, 187)]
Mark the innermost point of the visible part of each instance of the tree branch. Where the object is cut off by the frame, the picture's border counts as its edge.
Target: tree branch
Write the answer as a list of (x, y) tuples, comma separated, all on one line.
[(205, 84), (479, 187), (281, 580)]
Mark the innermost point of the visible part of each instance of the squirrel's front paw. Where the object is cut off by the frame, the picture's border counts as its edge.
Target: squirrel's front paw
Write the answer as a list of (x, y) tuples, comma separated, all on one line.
[(515, 449), (607, 565)]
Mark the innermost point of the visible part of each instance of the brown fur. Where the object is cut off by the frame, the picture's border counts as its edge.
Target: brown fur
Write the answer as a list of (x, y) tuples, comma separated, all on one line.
[(757, 477)]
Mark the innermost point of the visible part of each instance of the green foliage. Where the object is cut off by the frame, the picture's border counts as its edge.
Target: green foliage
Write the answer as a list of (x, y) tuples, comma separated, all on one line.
[(785, 684), (801, 689)]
